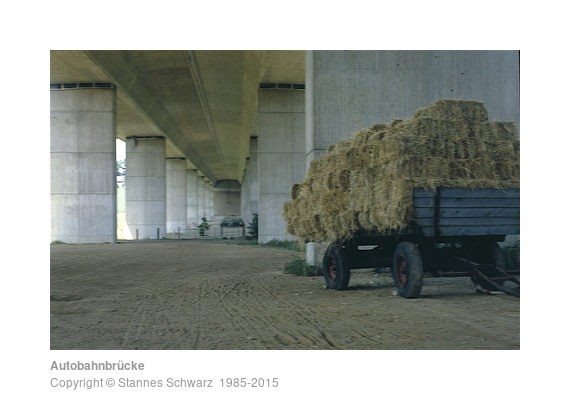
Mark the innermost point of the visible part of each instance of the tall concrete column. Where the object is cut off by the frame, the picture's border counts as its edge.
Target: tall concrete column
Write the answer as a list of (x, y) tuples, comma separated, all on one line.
[(175, 195), (201, 194), (205, 199), (250, 185), (145, 182), (281, 157), (83, 167), (351, 90), (209, 200), (192, 212), (226, 198)]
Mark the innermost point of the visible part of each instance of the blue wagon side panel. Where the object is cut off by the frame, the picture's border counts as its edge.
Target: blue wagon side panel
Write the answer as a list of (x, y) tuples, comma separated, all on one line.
[(467, 212)]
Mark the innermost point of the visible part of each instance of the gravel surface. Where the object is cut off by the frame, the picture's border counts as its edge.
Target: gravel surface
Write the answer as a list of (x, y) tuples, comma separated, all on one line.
[(200, 294)]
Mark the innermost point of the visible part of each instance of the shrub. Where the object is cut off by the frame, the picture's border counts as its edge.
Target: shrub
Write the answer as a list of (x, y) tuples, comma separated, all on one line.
[(299, 267), (203, 227), (252, 228)]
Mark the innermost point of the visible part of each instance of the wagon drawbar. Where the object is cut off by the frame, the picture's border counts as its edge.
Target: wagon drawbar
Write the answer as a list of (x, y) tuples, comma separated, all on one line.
[(454, 232)]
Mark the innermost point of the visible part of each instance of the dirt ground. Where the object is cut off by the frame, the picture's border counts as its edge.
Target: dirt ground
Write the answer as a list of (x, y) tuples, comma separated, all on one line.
[(198, 294)]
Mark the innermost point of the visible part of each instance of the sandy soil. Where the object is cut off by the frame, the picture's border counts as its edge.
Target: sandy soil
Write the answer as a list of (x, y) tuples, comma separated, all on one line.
[(197, 294)]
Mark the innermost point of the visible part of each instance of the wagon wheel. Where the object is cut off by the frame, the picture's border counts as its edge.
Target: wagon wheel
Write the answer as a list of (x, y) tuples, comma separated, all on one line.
[(336, 267), (407, 270)]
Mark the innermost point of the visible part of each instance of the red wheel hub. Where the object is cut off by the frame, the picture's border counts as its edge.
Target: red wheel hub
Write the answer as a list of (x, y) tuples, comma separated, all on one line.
[(401, 270), (332, 268)]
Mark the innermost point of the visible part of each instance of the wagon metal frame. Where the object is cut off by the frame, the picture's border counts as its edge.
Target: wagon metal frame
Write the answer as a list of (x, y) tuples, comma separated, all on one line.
[(454, 232)]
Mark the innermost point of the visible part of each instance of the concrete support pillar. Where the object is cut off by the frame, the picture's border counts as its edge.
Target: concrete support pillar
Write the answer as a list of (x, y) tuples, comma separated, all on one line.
[(83, 167), (145, 183), (350, 90), (201, 194), (192, 211), (250, 185), (281, 157), (205, 196), (226, 197), (209, 206), (175, 195)]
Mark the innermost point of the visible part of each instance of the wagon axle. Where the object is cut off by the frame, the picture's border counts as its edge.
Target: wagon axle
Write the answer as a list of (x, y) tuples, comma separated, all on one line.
[(409, 263), (454, 229)]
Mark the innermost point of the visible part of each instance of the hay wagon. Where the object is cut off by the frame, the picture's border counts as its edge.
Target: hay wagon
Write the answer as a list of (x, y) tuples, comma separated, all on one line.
[(454, 232)]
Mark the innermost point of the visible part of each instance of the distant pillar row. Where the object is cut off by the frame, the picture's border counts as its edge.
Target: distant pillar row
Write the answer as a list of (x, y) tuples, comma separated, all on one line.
[(192, 212), (162, 196), (250, 185), (226, 200), (83, 167), (201, 198), (175, 195), (209, 208)]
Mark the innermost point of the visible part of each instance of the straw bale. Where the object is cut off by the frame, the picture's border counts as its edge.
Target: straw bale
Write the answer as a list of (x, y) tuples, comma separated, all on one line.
[(454, 109), (365, 184), (499, 130), (343, 144)]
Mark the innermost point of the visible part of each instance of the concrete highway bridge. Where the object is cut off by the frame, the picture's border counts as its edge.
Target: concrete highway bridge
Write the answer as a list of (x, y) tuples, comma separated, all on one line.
[(226, 133)]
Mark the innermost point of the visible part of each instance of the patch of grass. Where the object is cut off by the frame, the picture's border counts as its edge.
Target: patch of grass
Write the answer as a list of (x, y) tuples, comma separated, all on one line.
[(275, 243), (285, 244), (245, 242), (299, 267)]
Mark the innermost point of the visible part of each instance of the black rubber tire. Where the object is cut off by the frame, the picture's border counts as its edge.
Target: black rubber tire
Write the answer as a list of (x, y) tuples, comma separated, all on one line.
[(336, 267), (490, 253), (407, 270)]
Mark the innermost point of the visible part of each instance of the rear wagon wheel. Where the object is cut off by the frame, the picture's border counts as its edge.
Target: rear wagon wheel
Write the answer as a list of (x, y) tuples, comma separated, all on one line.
[(336, 267), (407, 270)]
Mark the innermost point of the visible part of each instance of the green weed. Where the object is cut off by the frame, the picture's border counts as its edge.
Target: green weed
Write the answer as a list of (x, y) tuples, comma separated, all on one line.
[(299, 267), (285, 244), (245, 242)]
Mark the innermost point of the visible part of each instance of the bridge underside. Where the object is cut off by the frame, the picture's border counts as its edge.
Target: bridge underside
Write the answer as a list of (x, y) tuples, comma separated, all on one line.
[(212, 134), (204, 102)]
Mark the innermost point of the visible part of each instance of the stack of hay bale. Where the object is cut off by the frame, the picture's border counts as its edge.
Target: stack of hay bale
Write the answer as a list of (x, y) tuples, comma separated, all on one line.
[(365, 184)]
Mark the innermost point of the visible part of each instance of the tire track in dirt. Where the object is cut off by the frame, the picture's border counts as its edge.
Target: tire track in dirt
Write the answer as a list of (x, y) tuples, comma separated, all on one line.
[(172, 332), (135, 323), (250, 313), (237, 313), (197, 295), (481, 327), (198, 340), (323, 315), (317, 336), (147, 318), (248, 295), (229, 292)]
